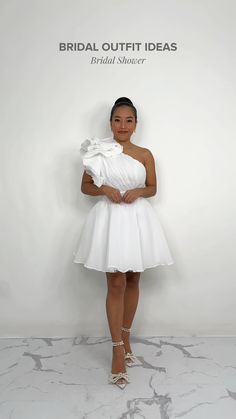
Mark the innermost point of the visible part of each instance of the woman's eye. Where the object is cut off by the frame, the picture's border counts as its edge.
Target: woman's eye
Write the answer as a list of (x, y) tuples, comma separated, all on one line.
[(117, 120)]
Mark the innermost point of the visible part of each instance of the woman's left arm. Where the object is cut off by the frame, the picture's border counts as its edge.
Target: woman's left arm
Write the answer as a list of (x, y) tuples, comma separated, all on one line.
[(151, 181)]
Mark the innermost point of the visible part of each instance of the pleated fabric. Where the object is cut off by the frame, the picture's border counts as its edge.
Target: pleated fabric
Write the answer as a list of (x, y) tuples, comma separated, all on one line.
[(119, 236)]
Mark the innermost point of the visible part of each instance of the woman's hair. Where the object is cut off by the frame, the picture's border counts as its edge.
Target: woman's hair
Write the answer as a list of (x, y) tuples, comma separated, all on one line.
[(121, 101)]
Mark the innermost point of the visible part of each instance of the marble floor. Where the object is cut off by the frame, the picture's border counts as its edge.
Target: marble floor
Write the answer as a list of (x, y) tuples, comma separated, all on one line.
[(67, 378)]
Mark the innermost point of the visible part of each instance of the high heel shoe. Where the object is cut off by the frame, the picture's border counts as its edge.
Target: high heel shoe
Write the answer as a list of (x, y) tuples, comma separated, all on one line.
[(130, 357), (113, 378)]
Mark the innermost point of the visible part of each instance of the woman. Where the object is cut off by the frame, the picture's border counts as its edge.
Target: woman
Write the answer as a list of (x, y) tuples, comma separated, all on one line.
[(122, 235)]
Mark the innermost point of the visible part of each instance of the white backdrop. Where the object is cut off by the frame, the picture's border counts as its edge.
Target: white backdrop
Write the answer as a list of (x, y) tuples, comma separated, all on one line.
[(52, 100)]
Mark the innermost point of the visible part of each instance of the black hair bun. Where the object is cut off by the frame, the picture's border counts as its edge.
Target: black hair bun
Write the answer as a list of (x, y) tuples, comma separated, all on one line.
[(123, 100)]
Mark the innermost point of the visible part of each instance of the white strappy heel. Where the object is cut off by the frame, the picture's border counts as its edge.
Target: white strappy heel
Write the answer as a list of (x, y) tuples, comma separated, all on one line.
[(130, 357), (113, 378)]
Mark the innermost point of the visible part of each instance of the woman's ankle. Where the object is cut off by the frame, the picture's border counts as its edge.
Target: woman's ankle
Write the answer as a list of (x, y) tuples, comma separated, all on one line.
[(127, 346)]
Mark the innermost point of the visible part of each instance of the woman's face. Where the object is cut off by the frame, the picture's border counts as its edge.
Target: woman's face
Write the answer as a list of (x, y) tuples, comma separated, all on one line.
[(123, 123)]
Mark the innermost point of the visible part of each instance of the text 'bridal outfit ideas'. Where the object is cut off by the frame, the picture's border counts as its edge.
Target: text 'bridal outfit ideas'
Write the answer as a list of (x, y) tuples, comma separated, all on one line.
[(119, 236)]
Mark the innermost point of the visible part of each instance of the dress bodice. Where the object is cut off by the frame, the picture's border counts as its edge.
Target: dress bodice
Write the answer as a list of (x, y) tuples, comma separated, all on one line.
[(107, 164)]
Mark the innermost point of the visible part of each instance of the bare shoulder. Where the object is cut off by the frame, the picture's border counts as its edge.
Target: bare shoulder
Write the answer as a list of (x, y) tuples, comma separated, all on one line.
[(146, 155)]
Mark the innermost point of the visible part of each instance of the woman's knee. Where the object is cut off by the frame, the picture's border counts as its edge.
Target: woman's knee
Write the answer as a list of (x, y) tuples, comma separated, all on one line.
[(132, 279), (116, 282)]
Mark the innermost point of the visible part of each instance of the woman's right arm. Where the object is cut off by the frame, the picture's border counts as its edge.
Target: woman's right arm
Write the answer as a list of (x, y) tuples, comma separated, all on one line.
[(89, 188)]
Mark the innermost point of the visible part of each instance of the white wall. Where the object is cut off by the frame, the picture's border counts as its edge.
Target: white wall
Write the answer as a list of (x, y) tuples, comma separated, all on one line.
[(51, 101)]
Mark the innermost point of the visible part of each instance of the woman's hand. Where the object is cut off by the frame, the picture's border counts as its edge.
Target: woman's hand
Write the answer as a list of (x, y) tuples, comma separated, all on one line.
[(131, 195), (112, 193)]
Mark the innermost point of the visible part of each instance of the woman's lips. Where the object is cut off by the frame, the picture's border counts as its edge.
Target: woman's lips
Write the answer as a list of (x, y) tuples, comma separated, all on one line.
[(122, 132)]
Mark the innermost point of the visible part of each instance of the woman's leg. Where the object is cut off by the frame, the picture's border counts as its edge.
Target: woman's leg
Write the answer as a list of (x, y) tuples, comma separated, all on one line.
[(116, 284), (131, 298)]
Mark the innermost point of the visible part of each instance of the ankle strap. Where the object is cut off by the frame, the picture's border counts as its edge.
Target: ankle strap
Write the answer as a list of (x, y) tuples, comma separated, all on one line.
[(125, 329), (117, 343)]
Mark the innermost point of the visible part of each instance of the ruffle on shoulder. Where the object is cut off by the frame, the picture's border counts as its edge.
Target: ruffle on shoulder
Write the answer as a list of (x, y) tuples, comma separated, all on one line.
[(92, 150), (106, 146)]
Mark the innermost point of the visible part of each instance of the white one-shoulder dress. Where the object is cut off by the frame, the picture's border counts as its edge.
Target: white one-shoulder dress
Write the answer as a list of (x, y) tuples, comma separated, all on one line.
[(119, 236)]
